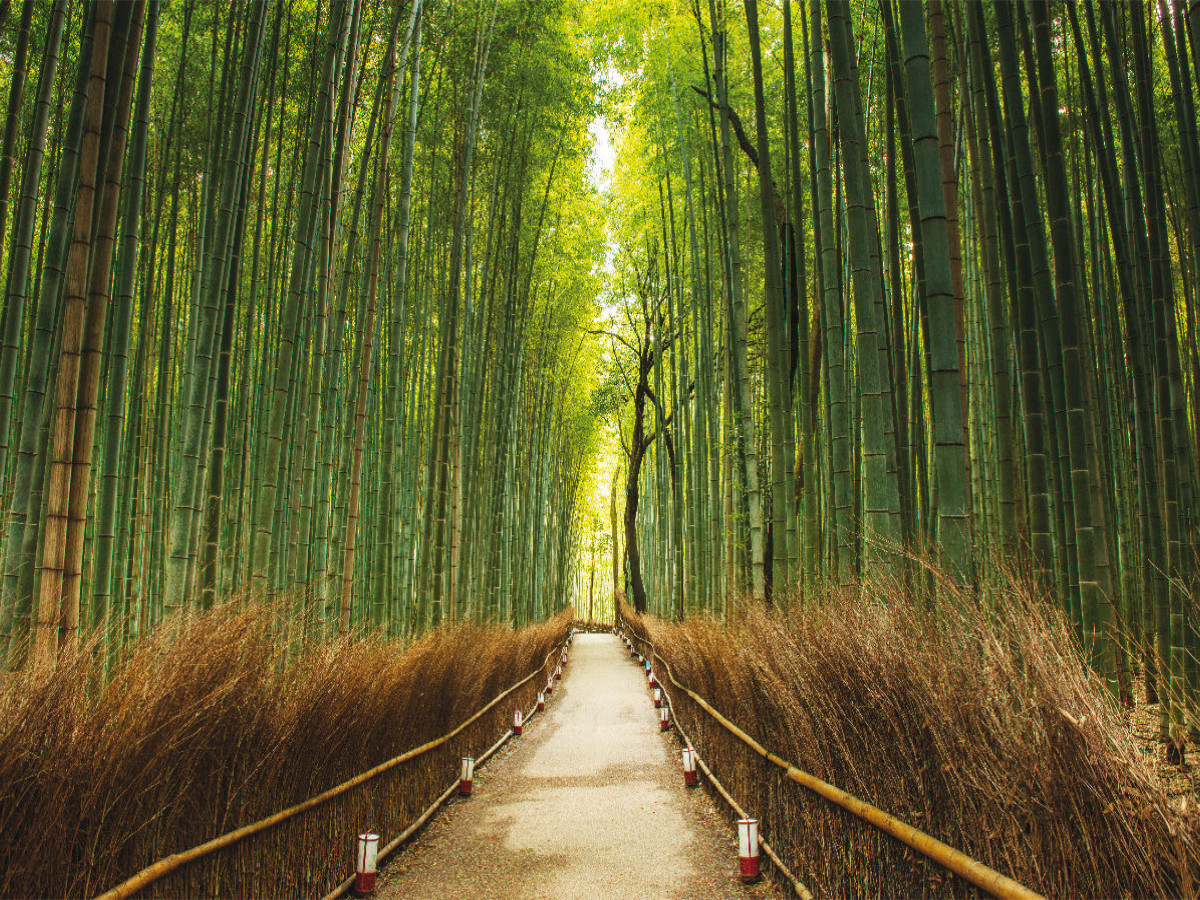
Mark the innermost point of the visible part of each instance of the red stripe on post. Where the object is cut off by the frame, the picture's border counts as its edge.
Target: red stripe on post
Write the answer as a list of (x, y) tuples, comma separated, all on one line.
[(748, 869), (689, 767), (364, 864), (466, 776)]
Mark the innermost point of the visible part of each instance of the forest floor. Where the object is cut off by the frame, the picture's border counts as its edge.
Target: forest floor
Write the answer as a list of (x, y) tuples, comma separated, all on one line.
[(589, 804)]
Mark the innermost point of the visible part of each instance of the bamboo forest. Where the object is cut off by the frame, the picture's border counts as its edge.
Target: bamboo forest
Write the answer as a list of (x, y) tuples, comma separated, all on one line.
[(836, 361)]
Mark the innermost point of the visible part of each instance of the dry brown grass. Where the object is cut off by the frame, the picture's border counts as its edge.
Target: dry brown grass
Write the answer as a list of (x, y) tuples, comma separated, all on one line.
[(224, 721), (971, 718)]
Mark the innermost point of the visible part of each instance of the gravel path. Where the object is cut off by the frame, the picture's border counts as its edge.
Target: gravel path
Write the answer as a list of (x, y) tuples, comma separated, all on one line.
[(589, 803)]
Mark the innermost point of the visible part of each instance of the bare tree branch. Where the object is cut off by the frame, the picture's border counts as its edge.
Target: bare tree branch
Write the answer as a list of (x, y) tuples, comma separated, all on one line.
[(743, 141)]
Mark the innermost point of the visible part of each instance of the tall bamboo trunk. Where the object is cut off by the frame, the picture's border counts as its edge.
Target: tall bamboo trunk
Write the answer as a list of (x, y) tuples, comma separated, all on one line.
[(73, 317), (945, 376), (880, 491)]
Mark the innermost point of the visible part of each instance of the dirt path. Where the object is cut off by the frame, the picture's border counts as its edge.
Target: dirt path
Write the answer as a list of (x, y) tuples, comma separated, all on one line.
[(588, 804)]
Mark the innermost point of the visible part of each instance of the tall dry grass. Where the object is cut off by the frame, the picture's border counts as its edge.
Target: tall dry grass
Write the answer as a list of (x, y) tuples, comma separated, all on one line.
[(220, 722), (972, 719)]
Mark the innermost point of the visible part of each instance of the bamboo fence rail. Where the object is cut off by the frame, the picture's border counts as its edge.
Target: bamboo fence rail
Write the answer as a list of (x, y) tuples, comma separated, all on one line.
[(400, 839), (726, 739), (302, 851)]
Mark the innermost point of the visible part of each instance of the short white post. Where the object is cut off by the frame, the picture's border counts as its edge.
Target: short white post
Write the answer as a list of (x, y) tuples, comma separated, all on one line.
[(558, 673), (651, 679), (541, 701), (689, 767), (550, 685), (664, 721), (364, 864), (467, 776), (658, 698), (748, 850), (518, 721)]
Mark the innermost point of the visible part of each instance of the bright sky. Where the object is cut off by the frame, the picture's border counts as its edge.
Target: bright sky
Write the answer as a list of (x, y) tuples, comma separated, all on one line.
[(603, 154), (601, 165)]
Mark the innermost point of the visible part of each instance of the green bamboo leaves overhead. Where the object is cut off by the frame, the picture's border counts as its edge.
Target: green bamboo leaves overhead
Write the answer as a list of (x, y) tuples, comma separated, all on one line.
[(951, 253), (235, 356)]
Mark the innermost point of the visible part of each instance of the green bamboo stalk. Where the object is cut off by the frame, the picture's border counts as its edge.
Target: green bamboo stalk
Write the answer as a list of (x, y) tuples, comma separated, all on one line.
[(946, 379)]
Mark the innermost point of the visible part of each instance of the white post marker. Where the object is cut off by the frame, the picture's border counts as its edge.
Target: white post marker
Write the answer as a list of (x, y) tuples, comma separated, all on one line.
[(748, 851), (663, 721), (467, 776), (364, 864), (558, 673), (651, 679), (658, 698), (541, 702), (550, 685), (689, 767), (517, 723)]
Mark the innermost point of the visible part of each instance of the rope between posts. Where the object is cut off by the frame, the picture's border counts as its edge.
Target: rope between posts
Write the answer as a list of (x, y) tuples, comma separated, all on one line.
[(168, 864), (978, 874)]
